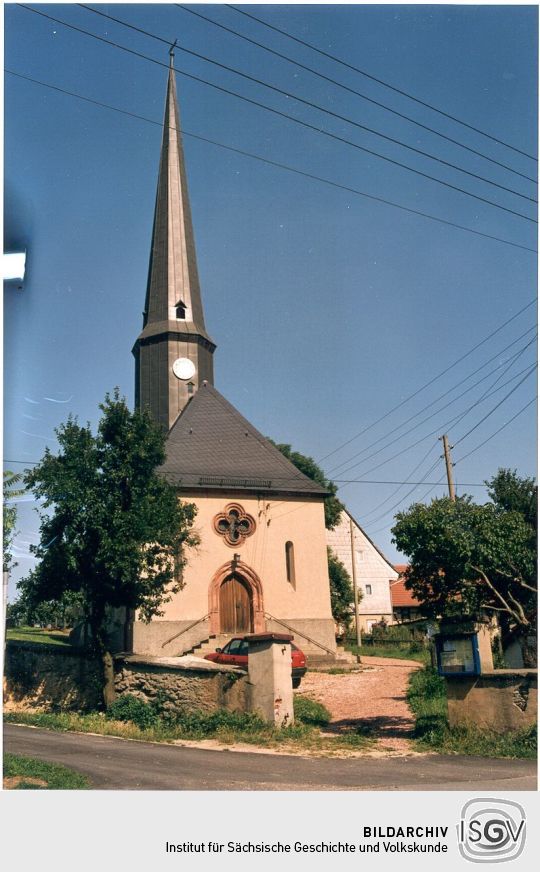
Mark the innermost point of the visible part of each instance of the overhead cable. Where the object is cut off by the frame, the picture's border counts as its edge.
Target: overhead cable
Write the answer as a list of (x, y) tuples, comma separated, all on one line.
[(301, 66), (277, 165), (382, 82), (316, 106), (489, 438), (431, 381), (507, 364), (280, 114)]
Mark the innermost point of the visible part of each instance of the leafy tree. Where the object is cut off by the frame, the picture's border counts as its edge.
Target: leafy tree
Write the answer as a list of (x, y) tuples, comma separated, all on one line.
[(10, 492), (64, 612), (510, 493), (467, 558), (332, 506), (112, 530), (341, 590)]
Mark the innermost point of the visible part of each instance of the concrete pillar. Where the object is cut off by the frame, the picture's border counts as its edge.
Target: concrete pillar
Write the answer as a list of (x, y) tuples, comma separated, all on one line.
[(269, 666), (485, 651)]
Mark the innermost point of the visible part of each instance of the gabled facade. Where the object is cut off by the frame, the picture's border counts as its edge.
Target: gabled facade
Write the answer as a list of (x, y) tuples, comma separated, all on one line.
[(374, 573), (261, 564)]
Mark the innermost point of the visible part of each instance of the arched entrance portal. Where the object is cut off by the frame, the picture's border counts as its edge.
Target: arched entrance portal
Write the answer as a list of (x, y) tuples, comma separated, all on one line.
[(235, 600), (235, 606)]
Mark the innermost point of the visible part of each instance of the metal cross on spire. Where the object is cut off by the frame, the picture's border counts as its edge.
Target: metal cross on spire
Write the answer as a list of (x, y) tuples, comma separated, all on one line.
[(171, 53)]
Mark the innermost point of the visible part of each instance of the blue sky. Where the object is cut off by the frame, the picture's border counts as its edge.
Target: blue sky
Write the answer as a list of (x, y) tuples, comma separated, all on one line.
[(328, 308)]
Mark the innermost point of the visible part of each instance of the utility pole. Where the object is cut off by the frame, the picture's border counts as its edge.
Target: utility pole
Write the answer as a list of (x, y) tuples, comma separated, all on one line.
[(449, 466), (356, 598)]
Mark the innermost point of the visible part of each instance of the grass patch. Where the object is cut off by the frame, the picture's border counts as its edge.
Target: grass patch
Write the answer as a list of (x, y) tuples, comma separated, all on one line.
[(36, 634), (308, 711), (427, 700), (406, 651), (55, 777), (143, 721)]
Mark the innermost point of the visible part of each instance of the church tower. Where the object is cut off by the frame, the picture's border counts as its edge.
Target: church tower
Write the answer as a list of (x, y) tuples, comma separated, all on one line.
[(262, 561), (173, 353)]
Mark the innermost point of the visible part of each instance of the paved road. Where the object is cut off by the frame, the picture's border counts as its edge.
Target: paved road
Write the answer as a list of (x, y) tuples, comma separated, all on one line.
[(117, 764)]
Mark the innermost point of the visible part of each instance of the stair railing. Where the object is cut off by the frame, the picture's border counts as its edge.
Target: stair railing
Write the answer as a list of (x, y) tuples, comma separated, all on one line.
[(299, 633), (185, 630)]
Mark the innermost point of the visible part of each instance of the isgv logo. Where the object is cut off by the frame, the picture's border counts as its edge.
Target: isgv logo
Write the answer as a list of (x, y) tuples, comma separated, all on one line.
[(491, 830)]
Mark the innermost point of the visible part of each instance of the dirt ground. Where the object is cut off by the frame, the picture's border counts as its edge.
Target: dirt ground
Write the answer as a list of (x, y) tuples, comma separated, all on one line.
[(374, 699)]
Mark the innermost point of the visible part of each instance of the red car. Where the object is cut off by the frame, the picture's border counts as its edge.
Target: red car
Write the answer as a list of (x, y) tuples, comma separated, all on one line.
[(235, 653)]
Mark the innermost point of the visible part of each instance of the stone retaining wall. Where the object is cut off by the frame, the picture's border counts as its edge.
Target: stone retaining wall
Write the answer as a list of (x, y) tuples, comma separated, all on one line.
[(50, 677), (67, 679), (191, 685), (502, 700)]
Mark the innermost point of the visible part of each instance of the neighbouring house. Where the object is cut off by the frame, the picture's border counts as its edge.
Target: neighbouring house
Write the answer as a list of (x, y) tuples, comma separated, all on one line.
[(262, 563), (374, 572), (405, 606)]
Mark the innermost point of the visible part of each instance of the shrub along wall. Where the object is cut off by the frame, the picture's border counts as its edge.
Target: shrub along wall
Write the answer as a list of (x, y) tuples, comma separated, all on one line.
[(56, 678)]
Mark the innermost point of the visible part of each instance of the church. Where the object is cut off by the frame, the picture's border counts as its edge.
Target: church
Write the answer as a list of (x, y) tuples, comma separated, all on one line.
[(261, 564)]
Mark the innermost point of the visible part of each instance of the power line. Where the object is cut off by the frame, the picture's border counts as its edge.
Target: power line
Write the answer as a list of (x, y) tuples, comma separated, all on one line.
[(407, 481), (276, 164), (382, 82), (494, 409), (407, 495), (486, 393), (280, 114), (301, 66), (506, 364), (444, 426), (430, 382), (312, 105), (439, 483), (345, 481), (506, 424), (489, 391)]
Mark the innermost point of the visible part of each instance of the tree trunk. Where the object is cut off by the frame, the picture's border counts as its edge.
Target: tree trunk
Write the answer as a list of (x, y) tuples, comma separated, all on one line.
[(107, 665), (106, 661)]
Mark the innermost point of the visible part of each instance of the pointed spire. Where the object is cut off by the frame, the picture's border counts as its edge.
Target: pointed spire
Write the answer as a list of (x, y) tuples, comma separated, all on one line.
[(173, 354), (173, 278)]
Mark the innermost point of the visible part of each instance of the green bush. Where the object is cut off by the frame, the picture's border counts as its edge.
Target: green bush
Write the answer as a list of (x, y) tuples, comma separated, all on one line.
[(426, 684), (308, 711), (198, 724), (130, 708)]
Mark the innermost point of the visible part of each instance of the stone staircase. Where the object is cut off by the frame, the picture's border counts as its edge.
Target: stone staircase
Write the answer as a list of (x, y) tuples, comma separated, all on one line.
[(208, 646)]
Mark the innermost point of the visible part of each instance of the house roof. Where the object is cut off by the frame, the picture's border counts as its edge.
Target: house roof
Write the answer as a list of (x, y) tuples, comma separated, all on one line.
[(212, 446), (401, 597)]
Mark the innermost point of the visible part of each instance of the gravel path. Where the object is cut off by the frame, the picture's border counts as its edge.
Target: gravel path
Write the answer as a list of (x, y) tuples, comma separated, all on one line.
[(374, 699)]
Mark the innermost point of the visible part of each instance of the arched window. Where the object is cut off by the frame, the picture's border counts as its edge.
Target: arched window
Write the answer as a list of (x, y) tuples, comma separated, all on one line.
[(180, 311), (289, 561)]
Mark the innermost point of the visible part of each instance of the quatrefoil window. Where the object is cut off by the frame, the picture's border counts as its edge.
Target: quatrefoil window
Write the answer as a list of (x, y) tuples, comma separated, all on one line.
[(234, 524)]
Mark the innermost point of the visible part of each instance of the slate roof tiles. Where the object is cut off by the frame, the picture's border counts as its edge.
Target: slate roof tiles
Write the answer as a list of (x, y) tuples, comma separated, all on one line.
[(212, 446)]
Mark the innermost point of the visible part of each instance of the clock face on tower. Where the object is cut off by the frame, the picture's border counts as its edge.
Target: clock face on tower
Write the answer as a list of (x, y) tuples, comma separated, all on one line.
[(183, 368)]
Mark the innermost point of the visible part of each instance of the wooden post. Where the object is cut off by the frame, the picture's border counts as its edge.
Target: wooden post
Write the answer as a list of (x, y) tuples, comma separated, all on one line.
[(356, 598), (449, 465)]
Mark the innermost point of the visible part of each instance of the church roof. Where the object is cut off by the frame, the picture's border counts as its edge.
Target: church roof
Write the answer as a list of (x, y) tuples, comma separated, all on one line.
[(212, 446), (173, 278)]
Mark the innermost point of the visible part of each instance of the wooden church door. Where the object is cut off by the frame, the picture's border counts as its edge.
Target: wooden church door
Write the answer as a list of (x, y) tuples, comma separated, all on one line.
[(235, 607)]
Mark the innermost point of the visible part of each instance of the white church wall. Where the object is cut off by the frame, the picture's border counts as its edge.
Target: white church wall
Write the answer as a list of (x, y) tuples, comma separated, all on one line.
[(304, 605)]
